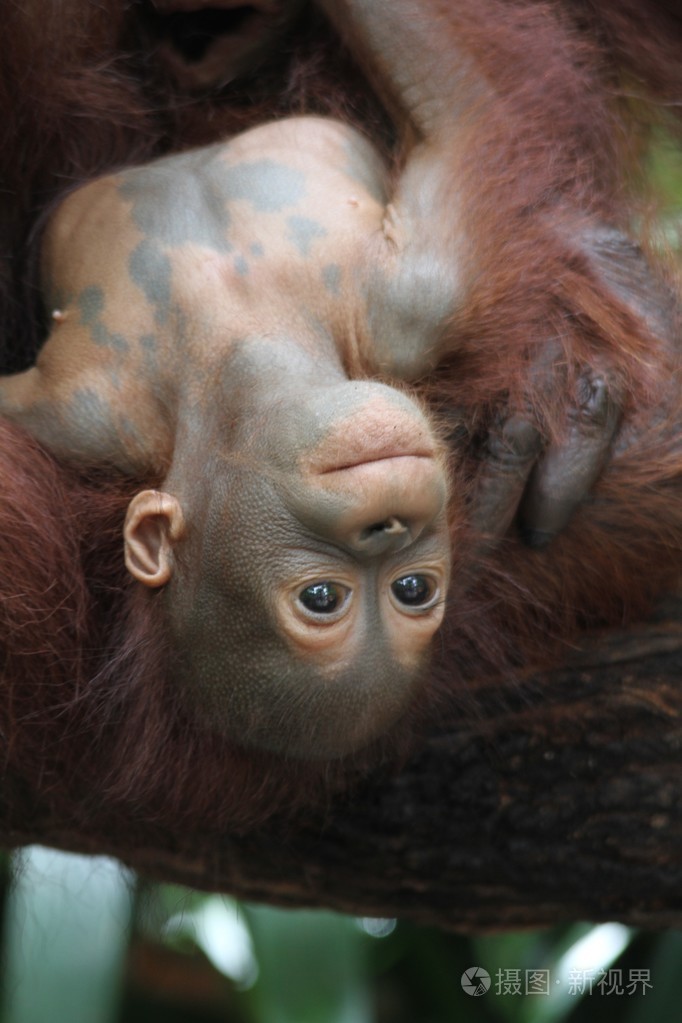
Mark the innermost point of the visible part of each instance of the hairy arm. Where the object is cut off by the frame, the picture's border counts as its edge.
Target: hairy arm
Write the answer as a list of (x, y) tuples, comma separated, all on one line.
[(512, 265)]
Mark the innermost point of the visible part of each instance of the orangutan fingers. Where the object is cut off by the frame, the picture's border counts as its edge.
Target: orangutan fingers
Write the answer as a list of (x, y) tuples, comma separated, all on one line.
[(567, 471), (544, 487), (511, 452)]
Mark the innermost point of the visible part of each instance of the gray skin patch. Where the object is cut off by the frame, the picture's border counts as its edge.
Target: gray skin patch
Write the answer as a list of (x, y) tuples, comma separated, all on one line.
[(148, 342), (331, 278), (91, 307), (359, 169), (98, 430), (94, 419), (80, 429), (150, 268), (161, 187), (241, 267), (257, 250), (130, 431), (269, 186), (150, 357), (303, 231)]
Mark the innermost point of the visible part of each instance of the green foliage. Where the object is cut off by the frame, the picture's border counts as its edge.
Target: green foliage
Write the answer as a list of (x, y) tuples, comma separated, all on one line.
[(82, 944), (666, 172)]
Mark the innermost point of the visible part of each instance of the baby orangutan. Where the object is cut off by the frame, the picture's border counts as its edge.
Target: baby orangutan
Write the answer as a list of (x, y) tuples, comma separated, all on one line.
[(210, 312), (217, 317)]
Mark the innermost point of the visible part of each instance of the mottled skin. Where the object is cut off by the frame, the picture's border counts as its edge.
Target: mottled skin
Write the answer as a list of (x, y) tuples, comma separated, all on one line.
[(157, 274), (210, 312)]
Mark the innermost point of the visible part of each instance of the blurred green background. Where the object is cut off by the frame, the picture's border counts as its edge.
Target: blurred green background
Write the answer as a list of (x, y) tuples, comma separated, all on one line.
[(85, 941)]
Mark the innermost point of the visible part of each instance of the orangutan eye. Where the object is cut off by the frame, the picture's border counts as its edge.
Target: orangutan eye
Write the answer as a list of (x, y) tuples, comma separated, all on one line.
[(323, 598), (414, 591)]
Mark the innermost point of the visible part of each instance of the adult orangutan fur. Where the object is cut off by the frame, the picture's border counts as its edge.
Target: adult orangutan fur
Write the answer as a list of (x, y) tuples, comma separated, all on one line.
[(546, 162)]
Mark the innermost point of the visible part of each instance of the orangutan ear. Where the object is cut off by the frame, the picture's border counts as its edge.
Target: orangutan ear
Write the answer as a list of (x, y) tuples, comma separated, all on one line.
[(154, 523)]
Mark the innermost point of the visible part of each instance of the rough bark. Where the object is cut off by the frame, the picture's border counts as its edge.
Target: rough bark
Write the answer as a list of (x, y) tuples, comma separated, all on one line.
[(559, 798)]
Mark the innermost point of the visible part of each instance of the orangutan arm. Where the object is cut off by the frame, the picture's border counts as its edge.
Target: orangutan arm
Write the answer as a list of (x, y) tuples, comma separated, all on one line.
[(513, 265)]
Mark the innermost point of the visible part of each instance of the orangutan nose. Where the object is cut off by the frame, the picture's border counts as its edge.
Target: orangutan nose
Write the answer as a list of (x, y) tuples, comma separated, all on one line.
[(392, 526), (391, 534), (388, 503)]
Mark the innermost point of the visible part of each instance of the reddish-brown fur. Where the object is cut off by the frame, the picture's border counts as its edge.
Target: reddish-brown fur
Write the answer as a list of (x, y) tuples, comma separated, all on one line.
[(86, 716)]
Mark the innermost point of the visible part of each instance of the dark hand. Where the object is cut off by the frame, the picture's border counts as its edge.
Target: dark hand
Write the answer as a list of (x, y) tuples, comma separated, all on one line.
[(539, 483), (543, 484)]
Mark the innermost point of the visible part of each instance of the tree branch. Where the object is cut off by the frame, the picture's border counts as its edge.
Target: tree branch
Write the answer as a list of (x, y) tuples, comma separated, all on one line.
[(558, 798)]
